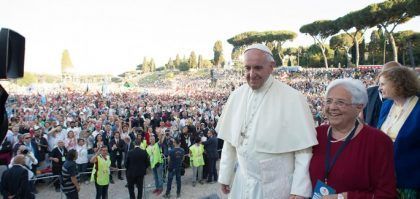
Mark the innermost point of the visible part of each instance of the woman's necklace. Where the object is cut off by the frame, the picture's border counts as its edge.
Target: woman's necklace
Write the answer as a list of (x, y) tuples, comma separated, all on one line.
[(343, 138)]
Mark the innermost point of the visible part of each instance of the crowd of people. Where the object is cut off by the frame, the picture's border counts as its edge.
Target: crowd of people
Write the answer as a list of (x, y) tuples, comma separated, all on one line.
[(175, 126)]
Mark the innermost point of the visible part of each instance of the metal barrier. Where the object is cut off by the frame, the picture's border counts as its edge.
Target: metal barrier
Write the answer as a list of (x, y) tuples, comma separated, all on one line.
[(56, 177)]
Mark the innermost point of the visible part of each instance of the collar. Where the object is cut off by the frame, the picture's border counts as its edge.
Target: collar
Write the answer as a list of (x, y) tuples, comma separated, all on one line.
[(266, 85)]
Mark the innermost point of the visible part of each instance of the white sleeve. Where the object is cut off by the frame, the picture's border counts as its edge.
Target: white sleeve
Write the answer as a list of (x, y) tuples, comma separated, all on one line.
[(301, 184), (227, 164)]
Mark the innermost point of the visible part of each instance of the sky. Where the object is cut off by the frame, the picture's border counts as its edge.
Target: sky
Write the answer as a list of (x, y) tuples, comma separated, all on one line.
[(111, 37)]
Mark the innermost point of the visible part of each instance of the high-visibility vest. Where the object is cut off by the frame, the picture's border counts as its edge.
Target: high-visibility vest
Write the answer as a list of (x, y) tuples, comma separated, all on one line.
[(197, 158), (143, 145), (155, 155), (102, 174)]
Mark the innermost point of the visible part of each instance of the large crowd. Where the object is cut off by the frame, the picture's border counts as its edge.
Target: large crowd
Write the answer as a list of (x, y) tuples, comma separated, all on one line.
[(45, 124)]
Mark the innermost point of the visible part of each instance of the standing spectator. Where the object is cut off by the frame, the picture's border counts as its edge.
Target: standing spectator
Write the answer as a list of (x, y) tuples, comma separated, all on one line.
[(399, 118), (71, 141), (176, 156), (197, 161), (69, 175), (54, 135), (42, 145), (185, 144), (82, 159), (156, 161), (5, 152), (375, 99), (14, 181), (99, 143), (101, 172), (128, 145), (12, 135), (136, 164), (107, 134), (76, 130), (33, 154), (117, 149), (17, 144), (98, 130), (212, 154), (30, 161), (58, 156)]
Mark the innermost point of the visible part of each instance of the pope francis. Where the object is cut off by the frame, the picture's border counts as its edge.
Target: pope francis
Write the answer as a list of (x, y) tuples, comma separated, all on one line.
[(268, 134)]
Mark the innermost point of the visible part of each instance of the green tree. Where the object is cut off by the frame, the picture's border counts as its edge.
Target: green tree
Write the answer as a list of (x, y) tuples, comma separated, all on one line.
[(184, 66), (391, 13), (177, 61), (342, 42), (413, 7), (200, 61), (218, 53), (374, 47), (169, 65), (66, 61), (359, 20), (207, 63), (315, 56), (236, 52), (403, 40), (292, 53), (152, 65), (27, 79), (320, 31), (139, 67), (145, 65), (304, 56), (273, 39), (192, 61), (362, 50)]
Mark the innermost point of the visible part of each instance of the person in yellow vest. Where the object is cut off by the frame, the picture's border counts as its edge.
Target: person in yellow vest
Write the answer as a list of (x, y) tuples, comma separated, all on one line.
[(143, 142), (197, 160), (100, 172), (156, 163)]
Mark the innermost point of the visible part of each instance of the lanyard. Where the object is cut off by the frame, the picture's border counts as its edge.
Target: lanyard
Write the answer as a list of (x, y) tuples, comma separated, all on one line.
[(329, 165)]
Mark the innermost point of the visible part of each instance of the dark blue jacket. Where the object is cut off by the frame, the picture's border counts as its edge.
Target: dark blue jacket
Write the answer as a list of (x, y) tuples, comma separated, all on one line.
[(406, 147), (373, 107), (211, 147)]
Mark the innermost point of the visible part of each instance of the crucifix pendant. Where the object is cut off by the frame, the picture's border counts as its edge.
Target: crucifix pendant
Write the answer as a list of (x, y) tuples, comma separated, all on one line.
[(242, 137)]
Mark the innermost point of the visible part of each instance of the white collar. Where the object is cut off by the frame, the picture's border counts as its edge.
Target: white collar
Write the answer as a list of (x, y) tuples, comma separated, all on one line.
[(265, 86)]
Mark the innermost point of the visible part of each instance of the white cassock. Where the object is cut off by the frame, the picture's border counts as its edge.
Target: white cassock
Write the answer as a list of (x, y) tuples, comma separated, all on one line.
[(268, 137)]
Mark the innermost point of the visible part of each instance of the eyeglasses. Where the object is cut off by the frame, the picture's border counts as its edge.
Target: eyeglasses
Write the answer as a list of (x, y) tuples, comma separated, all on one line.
[(338, 103), (27, 138)]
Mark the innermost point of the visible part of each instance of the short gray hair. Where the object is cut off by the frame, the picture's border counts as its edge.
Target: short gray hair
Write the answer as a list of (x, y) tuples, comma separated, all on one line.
[(355, 87)]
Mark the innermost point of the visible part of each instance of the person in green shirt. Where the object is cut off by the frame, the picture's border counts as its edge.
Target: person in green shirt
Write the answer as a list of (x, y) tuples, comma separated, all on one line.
[(197, 160), (100, 172), (155, 154)]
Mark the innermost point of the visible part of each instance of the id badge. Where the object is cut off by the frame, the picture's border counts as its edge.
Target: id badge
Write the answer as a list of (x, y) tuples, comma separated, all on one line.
[(322, 189), (63, 159)]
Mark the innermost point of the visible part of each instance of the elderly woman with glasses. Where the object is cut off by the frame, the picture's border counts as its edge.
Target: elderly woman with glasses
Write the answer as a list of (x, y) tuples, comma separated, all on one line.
[(352, 160)]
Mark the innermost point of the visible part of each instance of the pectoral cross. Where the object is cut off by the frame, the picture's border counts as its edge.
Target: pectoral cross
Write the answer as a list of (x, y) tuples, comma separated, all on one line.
[(242, 137)]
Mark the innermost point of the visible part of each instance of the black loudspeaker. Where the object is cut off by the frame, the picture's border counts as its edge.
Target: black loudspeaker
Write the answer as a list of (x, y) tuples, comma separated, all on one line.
[(12, 54)]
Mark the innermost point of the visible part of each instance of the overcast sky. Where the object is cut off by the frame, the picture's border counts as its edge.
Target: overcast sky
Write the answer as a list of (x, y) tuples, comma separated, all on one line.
[(105, 36)]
